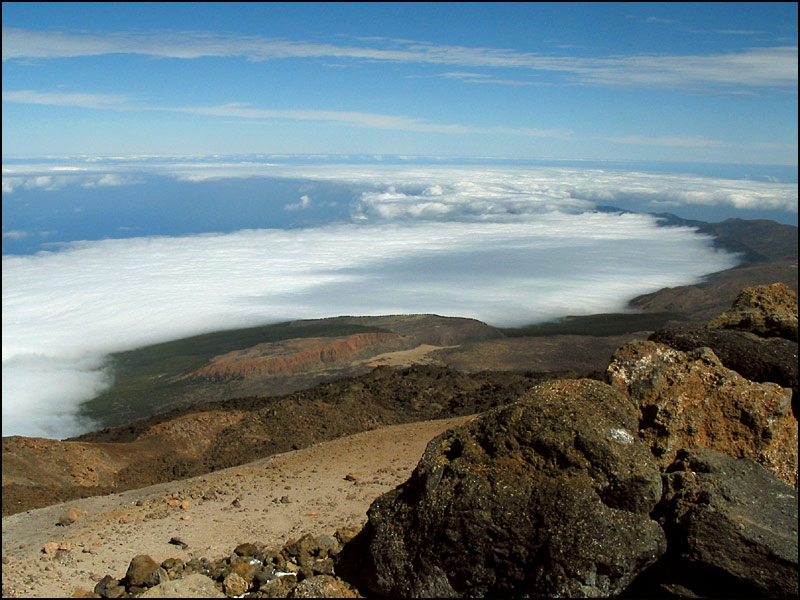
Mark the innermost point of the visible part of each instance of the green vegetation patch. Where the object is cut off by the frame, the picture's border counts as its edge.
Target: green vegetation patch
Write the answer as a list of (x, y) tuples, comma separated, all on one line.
[(600, 325), (149, 380)]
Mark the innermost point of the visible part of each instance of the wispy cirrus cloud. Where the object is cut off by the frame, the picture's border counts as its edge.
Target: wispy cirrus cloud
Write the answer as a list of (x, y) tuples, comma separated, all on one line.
[(104, 101), (487, 79), (367, 120), (246, 111), (765, 67), (675, 142)]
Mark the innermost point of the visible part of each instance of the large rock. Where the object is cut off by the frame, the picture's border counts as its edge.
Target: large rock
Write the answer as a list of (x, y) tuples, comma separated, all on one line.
[(757, 359), (690, 400), (732, 530), (766, 310), (549, 496)]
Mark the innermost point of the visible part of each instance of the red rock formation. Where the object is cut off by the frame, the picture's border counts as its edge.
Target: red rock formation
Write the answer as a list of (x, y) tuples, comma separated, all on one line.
[(294, 356)]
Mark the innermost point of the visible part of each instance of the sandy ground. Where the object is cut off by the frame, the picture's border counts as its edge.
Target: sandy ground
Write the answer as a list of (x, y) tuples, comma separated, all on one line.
[(406, 358), (270, 501)]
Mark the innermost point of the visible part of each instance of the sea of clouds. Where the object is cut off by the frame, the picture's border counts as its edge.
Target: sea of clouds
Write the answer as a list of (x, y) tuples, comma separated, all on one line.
[(508, 246)]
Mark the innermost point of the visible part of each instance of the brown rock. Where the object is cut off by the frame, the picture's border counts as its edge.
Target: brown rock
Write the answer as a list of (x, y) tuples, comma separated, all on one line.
[(246, 549), (766, 310), (50, 548), (244, 567), (690, 400), (143, 571), (234, 585), (70, 516)]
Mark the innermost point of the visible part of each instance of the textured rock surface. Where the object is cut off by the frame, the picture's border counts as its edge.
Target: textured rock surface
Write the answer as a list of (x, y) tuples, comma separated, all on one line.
[(549, 496), (766, 310), (323, 586), (143, 572), (732, 530), (754, 358), (690, 400)]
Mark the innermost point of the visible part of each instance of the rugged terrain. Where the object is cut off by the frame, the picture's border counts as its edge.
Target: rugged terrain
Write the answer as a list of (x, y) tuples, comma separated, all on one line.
[(429, 368), (673, 476)]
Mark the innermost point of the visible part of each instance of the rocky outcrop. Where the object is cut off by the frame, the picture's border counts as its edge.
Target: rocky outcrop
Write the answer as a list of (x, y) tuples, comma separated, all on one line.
[(766, 311), (757, 337), (732, 531), (296, 355), (549, 496), (754, 358), (690, 400)]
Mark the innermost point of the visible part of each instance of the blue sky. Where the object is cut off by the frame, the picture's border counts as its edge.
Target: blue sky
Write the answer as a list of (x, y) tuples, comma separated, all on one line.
[(693, 82)]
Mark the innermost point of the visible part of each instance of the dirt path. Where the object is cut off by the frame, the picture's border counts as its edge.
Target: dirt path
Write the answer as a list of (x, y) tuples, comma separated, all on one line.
[(270, 501)]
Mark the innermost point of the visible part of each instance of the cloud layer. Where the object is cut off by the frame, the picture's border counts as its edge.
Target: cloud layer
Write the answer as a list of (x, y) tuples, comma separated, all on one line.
[(64, 311), (507, 245)]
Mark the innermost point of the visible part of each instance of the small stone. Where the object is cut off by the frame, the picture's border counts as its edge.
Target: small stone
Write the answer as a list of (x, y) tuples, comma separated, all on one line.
[(246, 549), (70, 516), (176, 541), (234, 585), (143, 571), (185, 505), (185, 517), (49, 548), (279, 587)]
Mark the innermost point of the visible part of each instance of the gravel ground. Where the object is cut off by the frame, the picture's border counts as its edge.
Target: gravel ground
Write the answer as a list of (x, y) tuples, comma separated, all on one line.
[(270, 501)]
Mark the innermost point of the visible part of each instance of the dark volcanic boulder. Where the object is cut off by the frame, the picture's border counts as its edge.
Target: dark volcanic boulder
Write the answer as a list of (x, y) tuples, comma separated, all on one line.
[(732, 530), (549, 496)]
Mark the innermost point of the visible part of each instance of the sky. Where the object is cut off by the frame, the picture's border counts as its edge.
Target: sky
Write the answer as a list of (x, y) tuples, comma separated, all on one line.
[(691, 82), (172, 169)]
